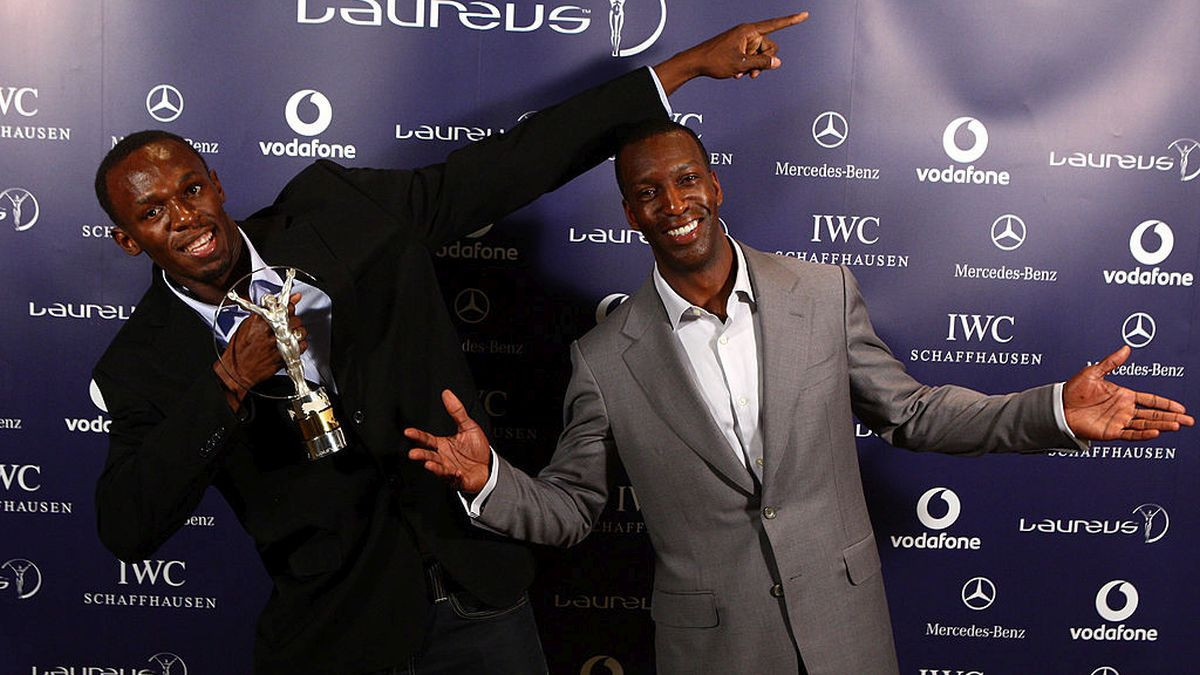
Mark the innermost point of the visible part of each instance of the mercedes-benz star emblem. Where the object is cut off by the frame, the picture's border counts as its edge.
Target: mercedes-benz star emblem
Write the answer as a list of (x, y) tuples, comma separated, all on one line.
[(979, 593), (1105, 670), (1008, 232), (1138, 330), (830, 129), (471, 305), (164, 103)]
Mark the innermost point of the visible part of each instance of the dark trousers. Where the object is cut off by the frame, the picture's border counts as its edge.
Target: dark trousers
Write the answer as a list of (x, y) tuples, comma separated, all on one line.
[(464, 636)]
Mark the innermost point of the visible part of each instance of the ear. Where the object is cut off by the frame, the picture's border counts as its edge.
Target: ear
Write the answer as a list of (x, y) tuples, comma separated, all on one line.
[(629, 216), (717, 184), (125, 241)]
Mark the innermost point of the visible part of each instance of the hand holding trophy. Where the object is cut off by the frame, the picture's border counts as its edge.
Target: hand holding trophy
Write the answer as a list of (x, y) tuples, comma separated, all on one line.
[(309, 407)]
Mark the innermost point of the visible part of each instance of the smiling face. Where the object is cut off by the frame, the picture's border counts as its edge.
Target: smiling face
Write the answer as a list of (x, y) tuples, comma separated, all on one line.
[(167, 204), (673, 199)]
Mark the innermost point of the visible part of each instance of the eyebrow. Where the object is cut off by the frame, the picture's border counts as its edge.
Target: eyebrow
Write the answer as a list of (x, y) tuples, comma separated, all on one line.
[(148, 197)]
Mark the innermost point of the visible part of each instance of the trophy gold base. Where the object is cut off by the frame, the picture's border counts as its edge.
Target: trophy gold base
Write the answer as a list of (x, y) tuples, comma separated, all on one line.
[(322, 433)]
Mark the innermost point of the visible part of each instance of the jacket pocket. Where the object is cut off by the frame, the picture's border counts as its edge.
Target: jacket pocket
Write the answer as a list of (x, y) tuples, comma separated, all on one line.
[(862, 560), (697, 609)]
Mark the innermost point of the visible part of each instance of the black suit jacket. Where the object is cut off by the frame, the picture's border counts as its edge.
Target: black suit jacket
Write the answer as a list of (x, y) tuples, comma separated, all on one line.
[(343, 538)]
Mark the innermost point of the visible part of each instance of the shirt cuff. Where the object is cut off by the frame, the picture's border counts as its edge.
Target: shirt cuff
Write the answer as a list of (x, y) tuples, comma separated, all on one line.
[(475, 506), (662, 95), (1060, 418)]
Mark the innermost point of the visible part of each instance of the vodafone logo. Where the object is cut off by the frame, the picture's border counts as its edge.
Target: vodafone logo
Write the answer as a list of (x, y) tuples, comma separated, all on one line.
[(953, 508), (317, 100), (1166, 242), (978, 146), (1127, 607)]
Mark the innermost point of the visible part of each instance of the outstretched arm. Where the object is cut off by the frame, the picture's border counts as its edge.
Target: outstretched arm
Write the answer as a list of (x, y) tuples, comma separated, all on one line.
[(741, 50), (1099, 410)]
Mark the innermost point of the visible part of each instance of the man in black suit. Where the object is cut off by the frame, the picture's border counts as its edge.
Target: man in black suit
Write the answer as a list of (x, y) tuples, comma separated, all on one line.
[(361, 546)]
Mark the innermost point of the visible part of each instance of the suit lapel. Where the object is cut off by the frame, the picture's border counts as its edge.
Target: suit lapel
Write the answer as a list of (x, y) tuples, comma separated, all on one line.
[(784, 337), (659, 366)]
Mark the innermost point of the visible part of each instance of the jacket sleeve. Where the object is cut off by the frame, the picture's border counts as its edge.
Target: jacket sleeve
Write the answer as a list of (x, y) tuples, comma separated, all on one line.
[(489, 179), (160, 461), (946, 418), (560, 506)]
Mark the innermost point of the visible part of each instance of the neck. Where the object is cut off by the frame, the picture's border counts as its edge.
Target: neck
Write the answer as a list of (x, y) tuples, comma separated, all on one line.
[(214, 292), (707, 287)]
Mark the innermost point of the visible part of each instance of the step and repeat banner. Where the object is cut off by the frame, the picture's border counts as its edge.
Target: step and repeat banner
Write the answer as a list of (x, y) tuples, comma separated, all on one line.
[(1014, 184)]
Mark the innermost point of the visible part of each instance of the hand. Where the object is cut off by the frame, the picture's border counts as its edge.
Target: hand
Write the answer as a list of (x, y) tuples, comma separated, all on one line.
[(252, 355), (1099, 410), (740, 50), (462, 459)]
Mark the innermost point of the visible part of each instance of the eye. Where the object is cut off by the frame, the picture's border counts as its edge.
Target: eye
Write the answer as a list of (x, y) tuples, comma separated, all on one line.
[(689, 179), (193, 189), (151, 213), (646, 193)]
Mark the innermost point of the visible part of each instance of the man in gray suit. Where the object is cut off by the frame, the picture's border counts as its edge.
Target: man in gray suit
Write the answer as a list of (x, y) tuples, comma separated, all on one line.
[(726, 385)]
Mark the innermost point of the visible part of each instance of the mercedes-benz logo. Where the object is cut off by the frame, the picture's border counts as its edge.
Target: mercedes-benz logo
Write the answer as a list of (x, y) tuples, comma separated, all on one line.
[(1105, 609), (1156, 524), (1138, 330), (953, 508), (830, 129), (1105, 670), (979, 593), (164, 103), (1166, 242), (950, 143), (1185, 146), (471, 305), (608, 304), (21, 205), (291, 112), (1008, 232)]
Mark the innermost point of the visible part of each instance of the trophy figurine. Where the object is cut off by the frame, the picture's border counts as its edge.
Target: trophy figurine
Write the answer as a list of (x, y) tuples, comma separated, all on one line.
[(309, 407)]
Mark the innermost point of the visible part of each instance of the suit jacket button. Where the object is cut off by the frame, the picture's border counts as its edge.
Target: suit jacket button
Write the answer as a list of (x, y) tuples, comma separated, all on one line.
[(358, 416), (777, 591), (769, 512)]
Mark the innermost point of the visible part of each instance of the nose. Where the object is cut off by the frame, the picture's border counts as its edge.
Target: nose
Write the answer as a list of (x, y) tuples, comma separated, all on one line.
[(183, 215), (673, 202)]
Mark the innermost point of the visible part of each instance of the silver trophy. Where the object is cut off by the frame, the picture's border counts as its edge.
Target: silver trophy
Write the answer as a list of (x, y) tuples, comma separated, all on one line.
[(309, 406)]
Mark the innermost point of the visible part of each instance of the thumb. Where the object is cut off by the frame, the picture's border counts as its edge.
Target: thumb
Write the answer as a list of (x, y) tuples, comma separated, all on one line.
[(760, 62), (1114, 360)]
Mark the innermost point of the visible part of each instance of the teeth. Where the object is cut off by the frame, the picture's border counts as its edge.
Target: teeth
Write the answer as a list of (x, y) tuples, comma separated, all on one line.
[(683, 229), (200, 243)]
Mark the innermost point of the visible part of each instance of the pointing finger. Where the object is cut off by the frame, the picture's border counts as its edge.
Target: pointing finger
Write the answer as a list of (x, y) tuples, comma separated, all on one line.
[(772, 25)]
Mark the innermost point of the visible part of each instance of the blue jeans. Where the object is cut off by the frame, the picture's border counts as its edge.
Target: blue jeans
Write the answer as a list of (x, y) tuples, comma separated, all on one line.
[(465, 636)]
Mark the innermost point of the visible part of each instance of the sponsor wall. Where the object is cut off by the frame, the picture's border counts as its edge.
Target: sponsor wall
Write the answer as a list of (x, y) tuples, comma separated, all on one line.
[(1015, 188)]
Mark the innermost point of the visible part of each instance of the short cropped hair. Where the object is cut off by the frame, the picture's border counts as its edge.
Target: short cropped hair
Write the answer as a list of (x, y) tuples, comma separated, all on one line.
[(126, 147), (650, 128)]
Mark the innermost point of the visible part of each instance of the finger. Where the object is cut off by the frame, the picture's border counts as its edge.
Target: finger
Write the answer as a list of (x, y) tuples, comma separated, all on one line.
[(455, 407), (772, 25), (767, 46), (423, 455), (1113, 360), (420, 437), (1154, 401), (760, 62), (1131, 435)]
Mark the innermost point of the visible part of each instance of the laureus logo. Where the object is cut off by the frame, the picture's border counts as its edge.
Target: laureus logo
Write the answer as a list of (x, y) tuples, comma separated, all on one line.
[(19, 207), (21, 576), (616, 27)]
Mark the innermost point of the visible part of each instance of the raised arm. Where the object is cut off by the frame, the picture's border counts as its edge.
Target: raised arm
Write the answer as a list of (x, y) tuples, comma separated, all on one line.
[(741, 50)]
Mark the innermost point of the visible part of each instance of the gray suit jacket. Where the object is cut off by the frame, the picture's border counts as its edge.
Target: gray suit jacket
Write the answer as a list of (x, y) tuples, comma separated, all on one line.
[(743, 570)]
